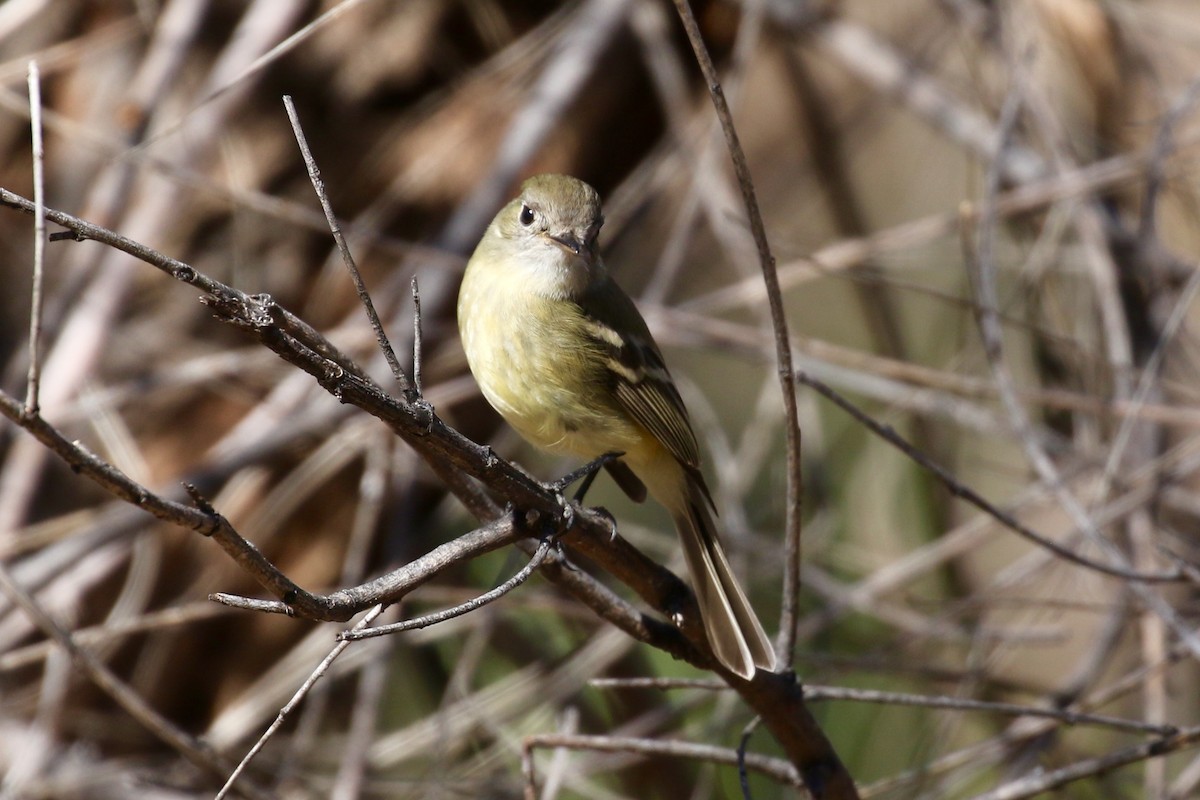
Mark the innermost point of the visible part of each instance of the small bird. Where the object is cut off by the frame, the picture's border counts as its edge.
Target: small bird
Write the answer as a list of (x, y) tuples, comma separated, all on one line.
[(566, 358)]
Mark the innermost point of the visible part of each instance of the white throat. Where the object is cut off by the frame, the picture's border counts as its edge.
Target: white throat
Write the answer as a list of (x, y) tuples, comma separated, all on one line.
[(555, 273)]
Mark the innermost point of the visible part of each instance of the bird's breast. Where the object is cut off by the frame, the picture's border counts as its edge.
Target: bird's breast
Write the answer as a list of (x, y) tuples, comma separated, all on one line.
[(539, 369)]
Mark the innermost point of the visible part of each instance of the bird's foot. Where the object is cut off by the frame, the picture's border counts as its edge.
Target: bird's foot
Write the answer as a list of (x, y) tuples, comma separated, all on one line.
[(587, 472)]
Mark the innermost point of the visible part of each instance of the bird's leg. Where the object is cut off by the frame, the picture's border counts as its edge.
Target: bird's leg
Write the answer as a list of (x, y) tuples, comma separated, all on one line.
[(587, 472)]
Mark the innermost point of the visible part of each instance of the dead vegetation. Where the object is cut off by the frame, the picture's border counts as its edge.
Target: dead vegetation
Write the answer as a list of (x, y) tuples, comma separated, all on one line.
[(984, 219)]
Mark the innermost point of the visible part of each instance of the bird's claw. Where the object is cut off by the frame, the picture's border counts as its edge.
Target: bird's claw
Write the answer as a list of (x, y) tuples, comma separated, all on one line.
[(612, 521), (567, 519)]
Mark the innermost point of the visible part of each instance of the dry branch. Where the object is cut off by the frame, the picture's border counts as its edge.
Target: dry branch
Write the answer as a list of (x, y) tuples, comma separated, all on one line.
[(777, 698)]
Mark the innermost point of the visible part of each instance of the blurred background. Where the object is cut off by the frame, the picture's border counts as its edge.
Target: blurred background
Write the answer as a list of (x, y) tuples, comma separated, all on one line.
[(912, 160)]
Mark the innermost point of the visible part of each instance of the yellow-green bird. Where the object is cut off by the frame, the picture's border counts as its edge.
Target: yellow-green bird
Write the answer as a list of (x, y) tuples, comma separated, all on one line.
[(564, 356)]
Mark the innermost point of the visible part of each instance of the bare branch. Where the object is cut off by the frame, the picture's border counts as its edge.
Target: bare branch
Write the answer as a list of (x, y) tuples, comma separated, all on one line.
[(39, 240), (364, 297), (457, 611), (298, 344), (1041, 782), (875, 141), (417, 345), (816, 694), (316, 675), (783, 348), (775, 768), (977, 500)]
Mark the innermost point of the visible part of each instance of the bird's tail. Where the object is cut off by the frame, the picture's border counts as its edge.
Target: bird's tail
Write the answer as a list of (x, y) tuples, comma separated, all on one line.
[(734, 632)]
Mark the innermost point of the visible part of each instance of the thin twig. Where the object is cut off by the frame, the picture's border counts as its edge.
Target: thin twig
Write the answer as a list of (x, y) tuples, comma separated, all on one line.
[(457, 611), (417, 347), (888, 434), (815, 694), (314, 174), (291, 704), (776, 768), (821, 768), (592, 534), (1039, 782), (391, 587), (39, 239), (1015, 736), (774, 696), (707, 684), (783, 348), (115, 482), (80, 230), (743, 743)]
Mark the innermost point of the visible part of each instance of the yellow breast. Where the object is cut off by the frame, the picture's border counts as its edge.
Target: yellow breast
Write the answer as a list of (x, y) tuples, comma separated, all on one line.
[(538, 368)]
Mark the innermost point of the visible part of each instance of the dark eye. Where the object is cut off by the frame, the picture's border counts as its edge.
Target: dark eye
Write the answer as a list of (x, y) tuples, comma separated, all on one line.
[(526, 216)]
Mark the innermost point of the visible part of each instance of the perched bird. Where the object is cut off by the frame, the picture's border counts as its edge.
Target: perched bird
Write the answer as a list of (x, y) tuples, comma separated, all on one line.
[(564, 356)]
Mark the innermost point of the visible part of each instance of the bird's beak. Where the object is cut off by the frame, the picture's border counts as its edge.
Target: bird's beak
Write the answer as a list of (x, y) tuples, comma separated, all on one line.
[(568, 242)]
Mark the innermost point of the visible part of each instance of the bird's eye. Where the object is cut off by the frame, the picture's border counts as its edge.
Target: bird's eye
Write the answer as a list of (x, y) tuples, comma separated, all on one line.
[(526, 216)]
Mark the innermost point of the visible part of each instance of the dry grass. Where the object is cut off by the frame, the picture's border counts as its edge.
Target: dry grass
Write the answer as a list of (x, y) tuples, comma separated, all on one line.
[(986, 227)]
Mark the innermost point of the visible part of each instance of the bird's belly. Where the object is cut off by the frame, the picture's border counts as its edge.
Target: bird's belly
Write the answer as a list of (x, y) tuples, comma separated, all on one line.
[(546, 393)]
